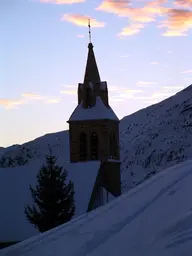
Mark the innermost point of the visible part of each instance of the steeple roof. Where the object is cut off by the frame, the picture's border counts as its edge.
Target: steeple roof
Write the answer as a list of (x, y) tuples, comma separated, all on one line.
[(91, 71), (97, 112)]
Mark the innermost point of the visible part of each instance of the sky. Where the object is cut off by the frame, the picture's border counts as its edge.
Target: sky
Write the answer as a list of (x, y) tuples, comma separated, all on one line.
[(142, 48)]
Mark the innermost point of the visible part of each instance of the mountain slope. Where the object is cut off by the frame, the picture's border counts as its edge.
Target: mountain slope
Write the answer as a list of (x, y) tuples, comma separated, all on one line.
[(154, 218), (28, 152), (156, 137), (151, 139)]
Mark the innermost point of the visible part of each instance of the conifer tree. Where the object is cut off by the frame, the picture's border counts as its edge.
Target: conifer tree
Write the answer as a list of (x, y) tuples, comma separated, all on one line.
[(53, 198)]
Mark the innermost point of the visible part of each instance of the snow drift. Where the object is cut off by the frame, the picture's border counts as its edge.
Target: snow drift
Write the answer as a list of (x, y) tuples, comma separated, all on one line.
[(154, 218)]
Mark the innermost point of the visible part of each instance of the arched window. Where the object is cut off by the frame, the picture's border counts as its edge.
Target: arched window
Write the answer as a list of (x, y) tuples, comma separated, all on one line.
[(83, 146), (110, 145), (114, 146), (94, 146)]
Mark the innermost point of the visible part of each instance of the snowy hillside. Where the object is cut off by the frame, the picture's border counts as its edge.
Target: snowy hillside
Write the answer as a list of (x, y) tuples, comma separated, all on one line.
[(151, 139), (15, 195), (156, 137), (155, 218), (28, 152), (1, 150)]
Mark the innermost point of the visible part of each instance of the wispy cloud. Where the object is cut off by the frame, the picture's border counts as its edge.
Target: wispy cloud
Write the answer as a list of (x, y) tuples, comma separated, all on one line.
[(82, 20), (10, 103), (144, 96), (161, 95), (145, 84), (53, 100), (62, 1), (154, 97), (183, 3), (23, 99), (68, 92), (176, 21), (114, 88), (186, 71), (131, 29), (129, 93), (123, 8), (26, 98), (32, 96), (137, 16), (69, 86), (179, 21), (173, 88)]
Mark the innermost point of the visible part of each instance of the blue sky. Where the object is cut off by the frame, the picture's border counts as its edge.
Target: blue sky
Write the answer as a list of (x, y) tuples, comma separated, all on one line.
[(143, 51)]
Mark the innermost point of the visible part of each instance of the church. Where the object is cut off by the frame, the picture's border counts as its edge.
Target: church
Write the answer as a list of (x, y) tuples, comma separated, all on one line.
[(93, 162), (94, 135)]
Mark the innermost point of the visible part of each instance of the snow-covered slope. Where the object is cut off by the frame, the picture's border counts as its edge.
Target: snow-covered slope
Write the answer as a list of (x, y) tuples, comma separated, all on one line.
[(156, 137), (152, 139), (28, 152), (155, 218), (15, 195), (1, 150)]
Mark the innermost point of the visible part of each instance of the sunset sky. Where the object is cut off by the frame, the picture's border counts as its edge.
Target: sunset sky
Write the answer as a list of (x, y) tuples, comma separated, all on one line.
[(143, 50)]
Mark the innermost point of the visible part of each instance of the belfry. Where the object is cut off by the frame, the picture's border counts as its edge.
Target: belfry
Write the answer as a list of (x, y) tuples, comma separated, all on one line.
[(94, 133)]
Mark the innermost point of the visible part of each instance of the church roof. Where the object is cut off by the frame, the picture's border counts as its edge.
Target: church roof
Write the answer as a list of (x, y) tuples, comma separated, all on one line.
[(98, 112), (84, 175), (91, 70)]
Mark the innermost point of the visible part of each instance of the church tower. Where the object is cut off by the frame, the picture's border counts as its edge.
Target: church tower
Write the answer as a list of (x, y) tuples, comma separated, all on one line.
[(94, 132)]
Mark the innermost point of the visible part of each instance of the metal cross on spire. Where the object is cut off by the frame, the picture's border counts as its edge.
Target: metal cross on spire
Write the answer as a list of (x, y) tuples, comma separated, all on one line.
[(89, 25)]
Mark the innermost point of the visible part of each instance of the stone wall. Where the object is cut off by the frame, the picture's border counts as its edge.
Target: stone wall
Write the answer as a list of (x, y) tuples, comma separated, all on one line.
[(102, 128)]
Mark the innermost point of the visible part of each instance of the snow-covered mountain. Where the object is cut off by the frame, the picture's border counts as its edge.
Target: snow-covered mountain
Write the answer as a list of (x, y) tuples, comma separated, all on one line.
[(156, 137), (19, 155), (151, 139), (154, 218)]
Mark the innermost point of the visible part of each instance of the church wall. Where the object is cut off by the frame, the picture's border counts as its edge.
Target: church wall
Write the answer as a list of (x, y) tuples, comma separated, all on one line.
[(114, 129), (109, 178), (101, 128)]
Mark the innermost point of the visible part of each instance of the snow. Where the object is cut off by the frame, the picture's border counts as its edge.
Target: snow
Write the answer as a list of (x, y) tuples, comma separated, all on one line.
[(15, 194), (151, 139), (154, 218), (84, 176), (155, 138), (99, 111)]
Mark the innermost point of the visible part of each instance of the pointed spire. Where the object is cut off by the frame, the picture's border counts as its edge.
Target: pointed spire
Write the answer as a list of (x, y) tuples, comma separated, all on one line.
[(91, 71), (89, 25)]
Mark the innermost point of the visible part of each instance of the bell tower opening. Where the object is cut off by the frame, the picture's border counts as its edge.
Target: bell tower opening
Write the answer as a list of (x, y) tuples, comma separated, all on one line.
[(93, 118), (94, 139), (112, 145), (94, 142)]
